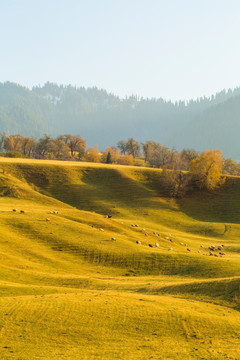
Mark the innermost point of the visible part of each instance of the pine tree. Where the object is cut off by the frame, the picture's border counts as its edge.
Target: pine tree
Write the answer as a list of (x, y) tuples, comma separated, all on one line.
[(108, 160)]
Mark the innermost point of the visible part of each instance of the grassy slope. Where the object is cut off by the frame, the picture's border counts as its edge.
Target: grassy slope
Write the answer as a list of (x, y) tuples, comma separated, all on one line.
[(68, 291)]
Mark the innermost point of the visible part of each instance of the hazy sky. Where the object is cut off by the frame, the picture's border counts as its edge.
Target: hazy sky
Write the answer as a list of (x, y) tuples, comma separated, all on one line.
[(175, 49)]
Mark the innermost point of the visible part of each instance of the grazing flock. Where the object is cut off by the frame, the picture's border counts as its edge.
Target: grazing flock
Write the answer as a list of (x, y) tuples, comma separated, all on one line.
[(213, 250)]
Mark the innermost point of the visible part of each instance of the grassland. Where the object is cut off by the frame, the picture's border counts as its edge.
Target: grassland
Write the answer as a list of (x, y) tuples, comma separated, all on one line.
[(71, 291)]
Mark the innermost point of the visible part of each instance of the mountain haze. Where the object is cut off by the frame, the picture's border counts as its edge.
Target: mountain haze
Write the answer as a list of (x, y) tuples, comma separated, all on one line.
[(103, 118), (216, 127)]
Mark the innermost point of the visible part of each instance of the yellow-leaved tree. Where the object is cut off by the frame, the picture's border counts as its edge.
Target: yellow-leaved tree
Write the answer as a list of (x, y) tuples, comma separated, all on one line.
[(206, 170)]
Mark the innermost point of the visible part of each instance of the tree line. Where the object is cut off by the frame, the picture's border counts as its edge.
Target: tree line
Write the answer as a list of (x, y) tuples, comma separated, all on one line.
[(64, 147), (188, 167), (74, 147)]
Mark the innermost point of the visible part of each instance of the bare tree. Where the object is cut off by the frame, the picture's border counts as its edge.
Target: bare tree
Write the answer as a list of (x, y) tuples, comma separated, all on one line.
[(133, 147), (42, 145), (13, 142), (122, 146), (175, 183), (158, 155), (187, 155), (75, 143)]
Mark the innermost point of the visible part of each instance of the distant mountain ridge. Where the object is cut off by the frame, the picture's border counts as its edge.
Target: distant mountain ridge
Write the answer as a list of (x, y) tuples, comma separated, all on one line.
[(217, 127), (103, 118)]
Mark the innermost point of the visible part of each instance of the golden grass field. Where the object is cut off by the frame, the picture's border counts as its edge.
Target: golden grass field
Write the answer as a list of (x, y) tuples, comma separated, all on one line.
[(71, 291)]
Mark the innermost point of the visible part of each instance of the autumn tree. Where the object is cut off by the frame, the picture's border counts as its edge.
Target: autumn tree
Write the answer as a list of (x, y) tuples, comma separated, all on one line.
[(114, 154), (231, 167), (206, 169), (92, 154), (126, 160)]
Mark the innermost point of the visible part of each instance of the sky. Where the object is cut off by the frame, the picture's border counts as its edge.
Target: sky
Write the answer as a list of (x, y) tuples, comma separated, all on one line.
[(174, 49)]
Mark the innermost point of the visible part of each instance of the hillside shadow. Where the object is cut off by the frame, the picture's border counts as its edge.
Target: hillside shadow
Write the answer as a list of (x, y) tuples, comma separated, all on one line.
[(106, 190), (222, 205), (110, 190)]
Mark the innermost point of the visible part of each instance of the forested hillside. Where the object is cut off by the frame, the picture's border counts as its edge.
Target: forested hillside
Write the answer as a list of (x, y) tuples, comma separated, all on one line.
[(102, 118), (216, 127)]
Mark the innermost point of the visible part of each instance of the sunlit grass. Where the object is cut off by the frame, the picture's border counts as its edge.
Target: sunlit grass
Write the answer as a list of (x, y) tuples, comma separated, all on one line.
[(71, 291)]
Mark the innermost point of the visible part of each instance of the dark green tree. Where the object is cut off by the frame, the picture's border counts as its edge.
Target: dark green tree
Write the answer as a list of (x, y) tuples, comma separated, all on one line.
[(108, 160)]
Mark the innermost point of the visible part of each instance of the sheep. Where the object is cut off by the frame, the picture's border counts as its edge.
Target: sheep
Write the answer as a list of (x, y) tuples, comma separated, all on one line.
[(101, 229), (22, 211), (150, 245), (113, 238), (220, 247), (188, 250), (55, 212), (143, 229), (47, 219), (156, 244), (136, 225), (138, 242), (109, 216), (170, 249), (14, 210)]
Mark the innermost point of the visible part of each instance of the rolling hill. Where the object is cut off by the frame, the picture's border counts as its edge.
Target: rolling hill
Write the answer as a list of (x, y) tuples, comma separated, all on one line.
[(74, 283)]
